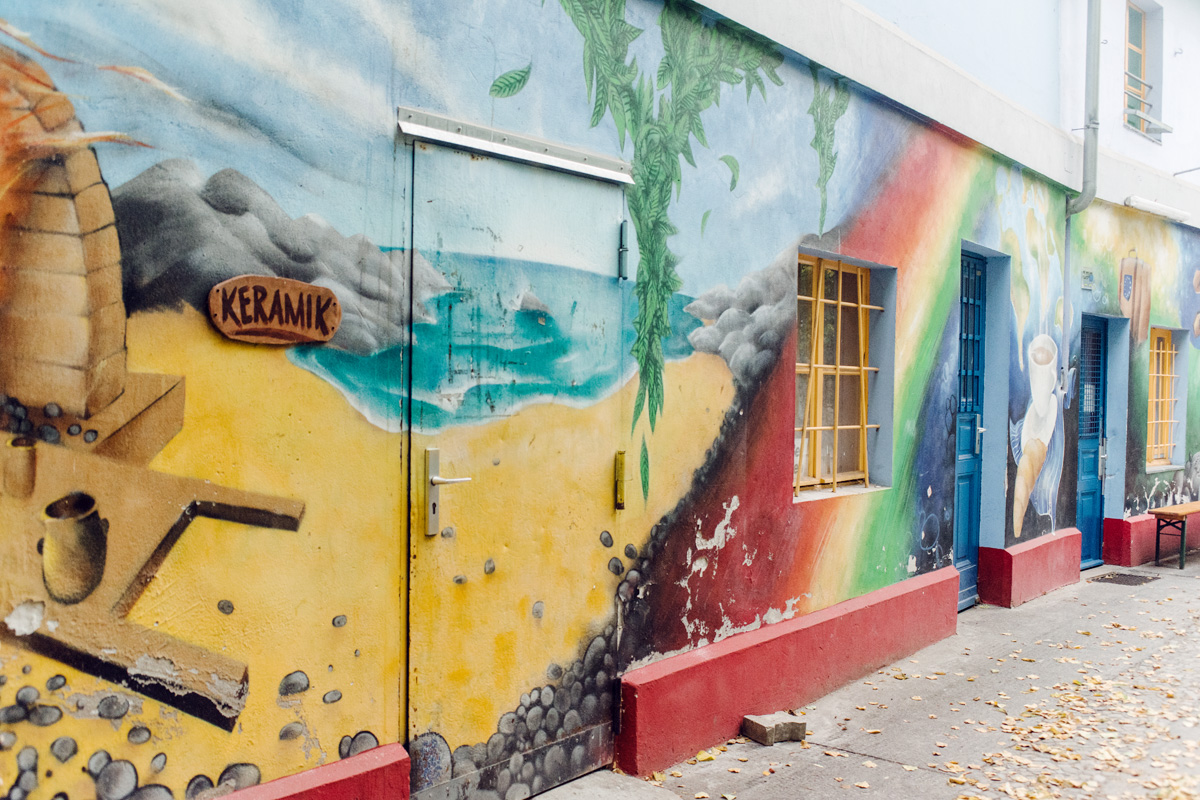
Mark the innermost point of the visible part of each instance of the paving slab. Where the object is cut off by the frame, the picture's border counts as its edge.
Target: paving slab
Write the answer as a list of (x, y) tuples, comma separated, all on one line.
[(607, 785)]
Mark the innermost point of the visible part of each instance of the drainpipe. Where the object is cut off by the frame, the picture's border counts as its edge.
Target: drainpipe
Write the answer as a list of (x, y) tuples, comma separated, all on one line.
[(1091, 113), (1091, 147)]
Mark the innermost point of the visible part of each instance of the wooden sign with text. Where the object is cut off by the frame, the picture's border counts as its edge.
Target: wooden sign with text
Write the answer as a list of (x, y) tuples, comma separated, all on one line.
[(266, 310)]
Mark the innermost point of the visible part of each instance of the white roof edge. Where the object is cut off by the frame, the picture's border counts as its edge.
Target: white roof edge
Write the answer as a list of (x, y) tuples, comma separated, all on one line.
[(1119, 176), (854, 41)]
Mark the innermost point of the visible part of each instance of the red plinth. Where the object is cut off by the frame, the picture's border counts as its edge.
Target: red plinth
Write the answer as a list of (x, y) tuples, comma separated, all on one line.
[(1130, 542), (1012, 576), (674, 707), (378, 773)]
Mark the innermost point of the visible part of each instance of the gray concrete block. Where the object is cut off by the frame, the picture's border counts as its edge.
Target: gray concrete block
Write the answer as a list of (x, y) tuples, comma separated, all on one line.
[(767, 729)]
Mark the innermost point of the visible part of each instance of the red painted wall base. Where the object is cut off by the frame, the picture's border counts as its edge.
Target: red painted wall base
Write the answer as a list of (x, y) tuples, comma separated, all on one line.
[(1130, 542), (378, 773), (674, 707), (1012, 576)]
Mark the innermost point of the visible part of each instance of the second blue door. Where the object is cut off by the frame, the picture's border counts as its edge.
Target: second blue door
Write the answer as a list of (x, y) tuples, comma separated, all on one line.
[(1089, 514)]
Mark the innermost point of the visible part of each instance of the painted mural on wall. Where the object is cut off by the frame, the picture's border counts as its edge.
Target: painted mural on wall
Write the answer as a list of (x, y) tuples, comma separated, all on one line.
[(144, 519), (1144, 270), (242, 510), (1041, 378)]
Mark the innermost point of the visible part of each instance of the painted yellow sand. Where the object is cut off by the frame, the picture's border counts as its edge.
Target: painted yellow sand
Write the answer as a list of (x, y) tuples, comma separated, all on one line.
[(540, 496), (256, 422)]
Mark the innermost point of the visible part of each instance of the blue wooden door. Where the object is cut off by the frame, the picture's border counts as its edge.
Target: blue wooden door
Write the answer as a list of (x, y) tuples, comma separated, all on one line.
[(968, 430), (1089, 513)]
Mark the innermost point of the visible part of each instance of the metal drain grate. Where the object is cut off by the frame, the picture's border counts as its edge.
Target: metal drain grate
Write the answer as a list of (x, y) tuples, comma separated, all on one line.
[(1124, 578)]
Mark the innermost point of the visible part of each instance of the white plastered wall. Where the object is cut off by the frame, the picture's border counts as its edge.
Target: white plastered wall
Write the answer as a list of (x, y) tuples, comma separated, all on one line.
[(854, 41)]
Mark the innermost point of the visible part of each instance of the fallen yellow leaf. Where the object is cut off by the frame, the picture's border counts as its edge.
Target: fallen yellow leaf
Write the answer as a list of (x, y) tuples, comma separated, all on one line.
[(704, 755), (863, 785)]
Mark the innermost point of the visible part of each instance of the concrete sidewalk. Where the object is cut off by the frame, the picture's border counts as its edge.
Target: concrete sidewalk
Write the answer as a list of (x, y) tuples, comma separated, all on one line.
[(1090, 691)]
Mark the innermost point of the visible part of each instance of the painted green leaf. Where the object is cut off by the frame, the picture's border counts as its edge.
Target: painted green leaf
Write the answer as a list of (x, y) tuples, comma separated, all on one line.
[(645, 471), (828, 105), (638, 405), (704, 221), (699, 58), (511, 82), (734, 170)]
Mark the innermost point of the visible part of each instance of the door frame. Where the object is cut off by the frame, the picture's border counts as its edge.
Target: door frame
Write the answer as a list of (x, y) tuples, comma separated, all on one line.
[(1116, 414), (998, 347), (595, 734)]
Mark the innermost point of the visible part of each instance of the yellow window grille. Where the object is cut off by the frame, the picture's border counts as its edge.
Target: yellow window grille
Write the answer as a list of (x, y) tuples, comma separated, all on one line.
[(1160, 435), (833, 301)]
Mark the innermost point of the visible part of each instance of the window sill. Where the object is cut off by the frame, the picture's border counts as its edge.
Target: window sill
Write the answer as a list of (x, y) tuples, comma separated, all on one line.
[(816, 495), (1150, 137), (1152, 469)]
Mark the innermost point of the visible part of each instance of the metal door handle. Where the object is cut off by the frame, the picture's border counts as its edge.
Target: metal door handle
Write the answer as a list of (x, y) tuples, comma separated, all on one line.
[(438, 480), (979, 431), (433, 497)]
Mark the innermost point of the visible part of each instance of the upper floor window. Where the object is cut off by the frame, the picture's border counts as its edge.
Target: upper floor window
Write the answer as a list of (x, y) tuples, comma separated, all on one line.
[(1143, 68)]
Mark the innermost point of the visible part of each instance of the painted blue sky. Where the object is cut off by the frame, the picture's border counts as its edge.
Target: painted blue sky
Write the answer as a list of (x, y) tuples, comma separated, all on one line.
[(300, 95)]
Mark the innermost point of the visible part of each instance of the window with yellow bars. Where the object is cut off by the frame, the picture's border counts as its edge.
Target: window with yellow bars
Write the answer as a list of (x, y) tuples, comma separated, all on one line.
[(833, 362), (1160, 435)]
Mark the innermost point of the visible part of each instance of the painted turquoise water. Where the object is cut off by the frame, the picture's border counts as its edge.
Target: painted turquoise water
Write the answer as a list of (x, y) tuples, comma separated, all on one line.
[(509, 334)]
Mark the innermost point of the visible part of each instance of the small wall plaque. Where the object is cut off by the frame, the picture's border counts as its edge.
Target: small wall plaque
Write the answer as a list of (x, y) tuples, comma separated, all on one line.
[(267, 310)]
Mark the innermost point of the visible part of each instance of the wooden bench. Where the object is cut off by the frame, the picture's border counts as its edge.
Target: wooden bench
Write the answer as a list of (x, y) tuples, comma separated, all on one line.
[(1169, 517)]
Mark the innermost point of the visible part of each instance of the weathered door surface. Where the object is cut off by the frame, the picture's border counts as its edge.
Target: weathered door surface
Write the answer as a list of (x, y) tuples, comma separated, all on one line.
[(514, 386), (1089, 514), (968, 432)]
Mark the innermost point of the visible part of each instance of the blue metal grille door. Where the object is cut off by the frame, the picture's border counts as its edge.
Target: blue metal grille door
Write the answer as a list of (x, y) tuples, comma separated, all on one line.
[(1089, 508), (968, 434), (970, 336)]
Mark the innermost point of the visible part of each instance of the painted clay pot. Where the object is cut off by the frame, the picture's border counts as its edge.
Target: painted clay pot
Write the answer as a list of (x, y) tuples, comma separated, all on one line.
[(74, 549), (20, 466)]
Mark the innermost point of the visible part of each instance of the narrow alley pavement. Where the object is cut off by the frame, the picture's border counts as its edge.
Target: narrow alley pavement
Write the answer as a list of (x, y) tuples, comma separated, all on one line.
[(1091, 691)]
